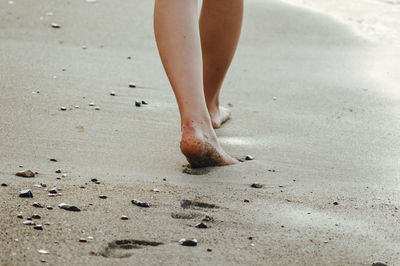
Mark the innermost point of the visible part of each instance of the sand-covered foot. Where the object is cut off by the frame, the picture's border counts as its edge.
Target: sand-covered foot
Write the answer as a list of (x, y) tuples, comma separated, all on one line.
[(202, 149), (220, 116)]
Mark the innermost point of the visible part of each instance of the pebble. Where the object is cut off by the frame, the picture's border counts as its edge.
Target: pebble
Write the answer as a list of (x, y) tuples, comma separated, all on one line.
[(140, 203), (4, 185), (90, 238), (102, 196), (64, 175), (49, 207), (84, 47), (36, 216), (26, 194), (38, 227), (20, 215), (82, 240), (94, 180), (28, 222), (201, 225), (21, 166), (335, 203), (43, 251), (97, 108), (63, 108), (55, 25), (69, 207), (249, 158), (53, 190), (138, 103), (156, 190), (112, 93), (378, 263), (37, 205), (188, 242), (123, 217), (76, 106), (132, 85), (26, 173), (256, 185), (58, 171), (53, 160), (91, 104), (144, 102), (246, 200)]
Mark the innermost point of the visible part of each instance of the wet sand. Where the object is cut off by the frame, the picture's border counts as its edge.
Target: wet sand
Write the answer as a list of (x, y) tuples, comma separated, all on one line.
[(315, 104)]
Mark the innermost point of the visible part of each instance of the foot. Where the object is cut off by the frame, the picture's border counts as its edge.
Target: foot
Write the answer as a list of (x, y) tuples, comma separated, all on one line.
[(201, 147), (220, 116)]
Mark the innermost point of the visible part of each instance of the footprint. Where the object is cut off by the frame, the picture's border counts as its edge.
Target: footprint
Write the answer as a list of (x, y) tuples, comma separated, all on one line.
[(186, 204), (186, 215), (117, 248), (196, 171)]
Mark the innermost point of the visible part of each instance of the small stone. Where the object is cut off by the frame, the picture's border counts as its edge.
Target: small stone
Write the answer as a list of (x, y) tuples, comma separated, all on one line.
[(97, 108), (102, 196), (58, 178), (250, 238), (164, 179), (246, 200), (69, 207), (53, 160), (26, 173), (53, 190), (36, 216), (132, 85), (58, 171), (43, 251), (201, 225), (4, 185), (26, 194), (91, 104), (82, 240), (138, 103), (156, 190), (207, 218), (249, 158), (46, 223), (55, 25), (21, 166), (144, 102), (188, 242), (335, 203), (123, 217), (37, 205), (209, 250), (63, 108), (94, 180), (28, 222), (378, 263), (20, 215), (90, 238), (274, 98), (129, 57), (43, 184), (84, 47), (256, 185), (112, 93), (49, 207), (64, 175), (76, 106), (325, 241), (38, 227), (140, 203), (252, 244)]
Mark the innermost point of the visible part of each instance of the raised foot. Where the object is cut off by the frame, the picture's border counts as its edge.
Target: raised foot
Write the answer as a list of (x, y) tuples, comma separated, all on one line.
[(220, 116), (203, 150)]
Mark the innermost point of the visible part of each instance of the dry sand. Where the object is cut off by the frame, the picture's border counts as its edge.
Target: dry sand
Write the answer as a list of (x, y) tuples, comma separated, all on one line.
[(315, 104)]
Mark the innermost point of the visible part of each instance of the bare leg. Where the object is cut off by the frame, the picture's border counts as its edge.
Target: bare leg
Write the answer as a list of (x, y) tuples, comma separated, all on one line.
[(220, 25), (178, 41)]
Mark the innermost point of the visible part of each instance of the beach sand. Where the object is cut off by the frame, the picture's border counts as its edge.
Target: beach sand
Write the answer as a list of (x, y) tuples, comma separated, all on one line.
[(315, 104)]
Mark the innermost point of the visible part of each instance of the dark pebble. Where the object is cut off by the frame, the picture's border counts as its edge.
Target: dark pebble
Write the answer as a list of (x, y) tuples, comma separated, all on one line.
[(53, 191), (26, 194), (188, 242), (58, 178), (144, 102), (69, 207), (94, 180), (132, 85), (55, 25), (53, 160), (20, 216), (377, 263), (102, 196), (246, 200), (4, 185), (336, 203), (82, 240), (209, 250), (249, 158), (49, 207), (140, 203), (129, 57), (256, 185), (37, 205), (250, 238), (58, 171), (201, 225), (36, 216), (38, 227), (138, 103)]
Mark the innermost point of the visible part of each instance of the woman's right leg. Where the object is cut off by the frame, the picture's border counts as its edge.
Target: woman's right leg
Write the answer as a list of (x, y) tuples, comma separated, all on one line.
[(178, 40)]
